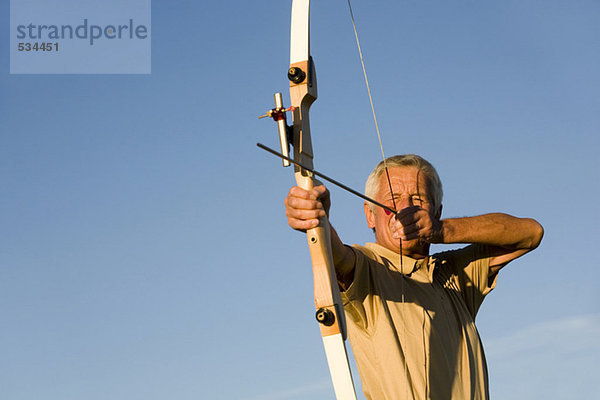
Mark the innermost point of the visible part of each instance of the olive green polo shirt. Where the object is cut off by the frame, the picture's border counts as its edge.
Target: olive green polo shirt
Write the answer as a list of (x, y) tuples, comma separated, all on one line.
[(413, 335)]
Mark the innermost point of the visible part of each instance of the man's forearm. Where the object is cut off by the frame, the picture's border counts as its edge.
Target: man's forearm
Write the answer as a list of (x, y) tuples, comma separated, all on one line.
[(501, 230)]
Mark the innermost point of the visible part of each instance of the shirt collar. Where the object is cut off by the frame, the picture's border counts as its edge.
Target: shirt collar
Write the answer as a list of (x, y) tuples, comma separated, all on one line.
[(411, 267)]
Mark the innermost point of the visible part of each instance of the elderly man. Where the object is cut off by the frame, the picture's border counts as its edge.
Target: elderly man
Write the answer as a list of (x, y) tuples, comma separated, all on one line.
[(410, 314)]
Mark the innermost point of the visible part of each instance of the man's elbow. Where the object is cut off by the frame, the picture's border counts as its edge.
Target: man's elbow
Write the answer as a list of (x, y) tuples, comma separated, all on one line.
[(535, 236)]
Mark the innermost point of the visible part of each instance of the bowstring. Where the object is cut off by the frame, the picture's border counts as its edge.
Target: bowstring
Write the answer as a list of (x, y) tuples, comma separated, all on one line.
[(362, 62)]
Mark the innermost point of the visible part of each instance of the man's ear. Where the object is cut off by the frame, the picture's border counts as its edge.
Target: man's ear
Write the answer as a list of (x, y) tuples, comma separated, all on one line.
[(370, 215)]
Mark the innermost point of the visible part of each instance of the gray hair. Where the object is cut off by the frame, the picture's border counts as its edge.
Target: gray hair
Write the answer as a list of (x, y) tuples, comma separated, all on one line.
[(433, 182)]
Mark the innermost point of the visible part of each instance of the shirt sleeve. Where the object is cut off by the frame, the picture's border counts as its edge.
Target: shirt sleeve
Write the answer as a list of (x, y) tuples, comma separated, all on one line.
[(470, 268), (357, 296)]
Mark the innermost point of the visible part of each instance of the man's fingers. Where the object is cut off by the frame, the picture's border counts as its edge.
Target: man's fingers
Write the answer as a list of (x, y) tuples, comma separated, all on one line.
[(303, 219), (410, 223), (320, 190), (303, 208), (406, 232), (408, 215), (314, 193), (304, 214), (298, 192), (303, 225), (302, 204)]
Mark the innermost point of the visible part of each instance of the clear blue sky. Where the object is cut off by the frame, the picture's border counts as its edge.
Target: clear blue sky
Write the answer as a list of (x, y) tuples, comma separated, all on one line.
[(144, 250)]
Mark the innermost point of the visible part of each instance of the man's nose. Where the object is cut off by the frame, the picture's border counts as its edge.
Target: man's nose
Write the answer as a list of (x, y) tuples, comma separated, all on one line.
[(405, 202)]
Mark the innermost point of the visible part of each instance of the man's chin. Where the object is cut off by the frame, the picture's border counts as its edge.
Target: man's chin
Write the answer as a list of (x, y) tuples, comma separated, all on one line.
[(415, 247)]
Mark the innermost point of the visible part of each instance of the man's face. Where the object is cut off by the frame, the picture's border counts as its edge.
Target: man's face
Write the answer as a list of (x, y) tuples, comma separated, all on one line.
[(409, 188)]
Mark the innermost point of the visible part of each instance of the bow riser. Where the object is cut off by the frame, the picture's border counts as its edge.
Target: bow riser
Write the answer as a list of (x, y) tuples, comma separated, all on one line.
[(302, 96)]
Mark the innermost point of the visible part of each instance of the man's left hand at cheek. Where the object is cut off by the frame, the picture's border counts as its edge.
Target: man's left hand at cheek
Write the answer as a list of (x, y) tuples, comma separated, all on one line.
[(416, 223)]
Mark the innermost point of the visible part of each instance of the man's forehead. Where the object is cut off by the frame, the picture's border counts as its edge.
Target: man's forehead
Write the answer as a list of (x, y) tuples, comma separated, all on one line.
[(404, 179)]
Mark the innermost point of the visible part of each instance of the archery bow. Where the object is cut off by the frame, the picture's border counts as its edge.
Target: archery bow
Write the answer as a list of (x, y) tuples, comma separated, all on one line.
[(328, 302)]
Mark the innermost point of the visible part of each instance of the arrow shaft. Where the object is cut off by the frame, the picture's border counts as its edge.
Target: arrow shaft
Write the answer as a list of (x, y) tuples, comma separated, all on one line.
[(328, 179)]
